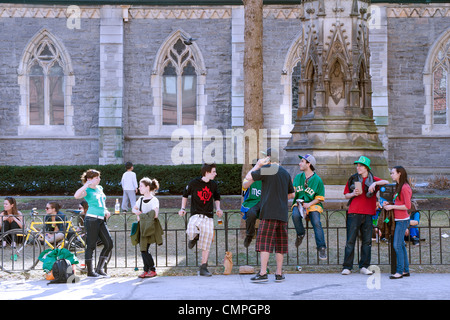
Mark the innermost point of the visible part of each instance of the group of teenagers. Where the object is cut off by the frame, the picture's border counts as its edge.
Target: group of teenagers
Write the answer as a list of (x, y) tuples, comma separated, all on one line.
[(268, 186), (267, 189)]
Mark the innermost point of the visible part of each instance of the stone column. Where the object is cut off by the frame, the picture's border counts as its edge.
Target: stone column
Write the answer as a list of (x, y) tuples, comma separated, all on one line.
[(237, 67), (111, 86)]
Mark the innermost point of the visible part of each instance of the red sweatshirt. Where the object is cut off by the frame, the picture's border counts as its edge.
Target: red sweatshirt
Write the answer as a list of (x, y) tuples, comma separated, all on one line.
[(361, 204), (405, 198)]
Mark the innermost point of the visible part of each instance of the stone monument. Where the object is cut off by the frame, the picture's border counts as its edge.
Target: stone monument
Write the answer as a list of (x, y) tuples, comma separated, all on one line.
[(335, 119)]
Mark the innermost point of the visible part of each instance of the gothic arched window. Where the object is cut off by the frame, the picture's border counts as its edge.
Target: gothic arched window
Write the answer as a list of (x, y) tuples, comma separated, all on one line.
[(178, 84), (179, 99), (441, 86), (46, 79), (46, 86), (437, 88)]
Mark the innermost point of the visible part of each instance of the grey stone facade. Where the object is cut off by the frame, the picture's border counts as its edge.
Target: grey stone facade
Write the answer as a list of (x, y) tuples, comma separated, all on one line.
[(410, 40), (41, 149), (115, 108)]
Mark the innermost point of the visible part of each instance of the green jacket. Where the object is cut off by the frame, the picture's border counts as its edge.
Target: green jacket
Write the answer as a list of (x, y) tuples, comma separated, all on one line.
[(49, 257), (146, 231), (308, 191)]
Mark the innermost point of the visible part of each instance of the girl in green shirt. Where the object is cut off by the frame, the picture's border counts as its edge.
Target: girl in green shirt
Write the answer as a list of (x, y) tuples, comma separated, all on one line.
[(95, 222)]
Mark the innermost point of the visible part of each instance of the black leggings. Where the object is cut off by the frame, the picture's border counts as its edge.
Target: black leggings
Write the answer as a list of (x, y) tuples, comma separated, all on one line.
[(149, 264), (6, 226), (95, 229)]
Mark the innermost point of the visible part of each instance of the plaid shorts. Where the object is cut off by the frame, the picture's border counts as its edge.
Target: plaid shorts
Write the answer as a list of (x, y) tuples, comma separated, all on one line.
[(272, 234), (203, 226)]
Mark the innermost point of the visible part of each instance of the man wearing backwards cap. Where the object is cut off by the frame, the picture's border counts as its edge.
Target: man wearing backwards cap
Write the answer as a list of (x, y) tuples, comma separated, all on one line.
[(361, 207), (309, 189)]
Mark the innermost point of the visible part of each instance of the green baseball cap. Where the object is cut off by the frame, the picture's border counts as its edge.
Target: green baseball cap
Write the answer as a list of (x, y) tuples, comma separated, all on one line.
[(365, 161)]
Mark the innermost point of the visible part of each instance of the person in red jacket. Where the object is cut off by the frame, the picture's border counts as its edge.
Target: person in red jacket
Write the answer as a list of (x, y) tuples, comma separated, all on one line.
[(402, 203), (361, 189)]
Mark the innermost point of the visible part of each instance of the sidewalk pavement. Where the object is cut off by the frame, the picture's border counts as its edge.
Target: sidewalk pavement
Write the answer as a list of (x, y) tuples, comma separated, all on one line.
[(237, 288)]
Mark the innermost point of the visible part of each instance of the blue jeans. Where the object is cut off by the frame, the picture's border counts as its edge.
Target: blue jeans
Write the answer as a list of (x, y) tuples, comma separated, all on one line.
[(400, 246), (355, 223), (314, 216)]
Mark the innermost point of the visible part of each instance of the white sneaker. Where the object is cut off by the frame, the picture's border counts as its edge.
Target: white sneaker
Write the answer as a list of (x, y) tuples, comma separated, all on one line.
[(346, 272), (365, 271)]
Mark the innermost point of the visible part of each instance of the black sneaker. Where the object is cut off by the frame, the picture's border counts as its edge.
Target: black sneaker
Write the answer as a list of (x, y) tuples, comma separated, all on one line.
[(299, 240), (323, 254), (247, 241), (279, 277), (193, 242), (260, 278)]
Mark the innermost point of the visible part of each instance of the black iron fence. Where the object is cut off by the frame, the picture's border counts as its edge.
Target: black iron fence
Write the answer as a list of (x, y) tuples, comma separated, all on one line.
[(432, 249)]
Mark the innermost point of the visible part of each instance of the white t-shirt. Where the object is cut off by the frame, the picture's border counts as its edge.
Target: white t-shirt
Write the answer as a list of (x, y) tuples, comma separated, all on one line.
[(129, 181), (147, 204)]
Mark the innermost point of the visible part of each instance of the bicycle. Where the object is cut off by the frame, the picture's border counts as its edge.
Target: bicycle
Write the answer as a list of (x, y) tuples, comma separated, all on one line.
[(34, 215), (25, 245)]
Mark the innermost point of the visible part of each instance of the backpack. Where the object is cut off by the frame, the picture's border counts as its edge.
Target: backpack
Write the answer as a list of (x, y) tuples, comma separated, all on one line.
[(62, 272)]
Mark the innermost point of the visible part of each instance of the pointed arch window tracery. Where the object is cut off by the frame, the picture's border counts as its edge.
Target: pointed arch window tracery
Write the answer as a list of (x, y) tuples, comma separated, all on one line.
[(441, 67), (46, 86), (45, 76), (178, 84), (179, 99), (437, 88)]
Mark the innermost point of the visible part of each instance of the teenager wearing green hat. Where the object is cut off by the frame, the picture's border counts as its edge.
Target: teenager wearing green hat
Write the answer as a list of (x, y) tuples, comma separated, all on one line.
[(361, 208)]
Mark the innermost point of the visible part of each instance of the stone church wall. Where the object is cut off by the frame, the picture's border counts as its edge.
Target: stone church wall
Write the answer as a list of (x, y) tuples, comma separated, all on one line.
[(83, 47), (410, 39), (399, 96)]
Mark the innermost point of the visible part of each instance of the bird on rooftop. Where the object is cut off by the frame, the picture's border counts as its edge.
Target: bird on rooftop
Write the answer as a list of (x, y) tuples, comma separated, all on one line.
[(187, 41)]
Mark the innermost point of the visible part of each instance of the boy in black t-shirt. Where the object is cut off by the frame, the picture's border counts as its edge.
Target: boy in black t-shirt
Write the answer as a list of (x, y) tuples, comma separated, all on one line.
[(204, 192), (272, 234)]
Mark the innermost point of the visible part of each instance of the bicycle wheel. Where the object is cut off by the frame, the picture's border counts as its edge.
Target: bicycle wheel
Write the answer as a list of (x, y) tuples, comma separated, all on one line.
[(18, 255), (77, 244)]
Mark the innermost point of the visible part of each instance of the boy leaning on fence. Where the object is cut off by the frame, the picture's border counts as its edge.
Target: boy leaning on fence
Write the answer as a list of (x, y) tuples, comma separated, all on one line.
[(360, 190), (204, 194), (310, 193)]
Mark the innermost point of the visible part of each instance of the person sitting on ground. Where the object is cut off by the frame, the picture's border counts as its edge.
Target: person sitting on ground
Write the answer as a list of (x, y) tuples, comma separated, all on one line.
[(11, 218), (55, 223)]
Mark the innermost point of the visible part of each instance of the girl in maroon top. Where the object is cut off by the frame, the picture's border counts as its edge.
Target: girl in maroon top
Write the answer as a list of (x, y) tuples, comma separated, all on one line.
[(402, 203)]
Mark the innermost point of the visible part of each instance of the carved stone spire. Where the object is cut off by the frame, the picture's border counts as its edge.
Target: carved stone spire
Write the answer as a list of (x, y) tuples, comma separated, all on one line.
[(334, 120)]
